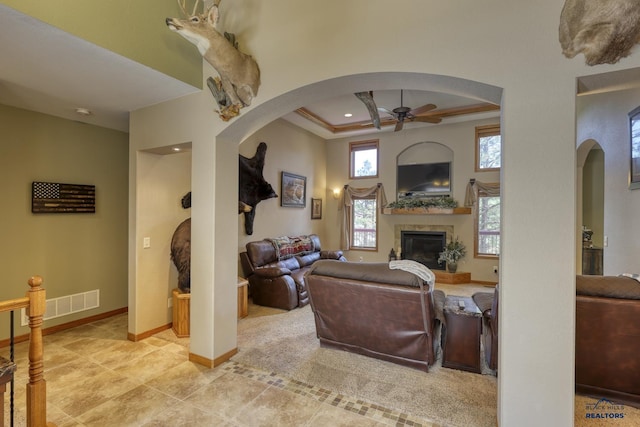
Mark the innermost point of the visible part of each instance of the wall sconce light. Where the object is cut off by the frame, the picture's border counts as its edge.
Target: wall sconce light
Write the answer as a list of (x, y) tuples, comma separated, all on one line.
[(336, 193)]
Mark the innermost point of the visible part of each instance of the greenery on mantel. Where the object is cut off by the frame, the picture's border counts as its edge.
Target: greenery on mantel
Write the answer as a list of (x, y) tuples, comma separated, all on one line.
[(432, 202)]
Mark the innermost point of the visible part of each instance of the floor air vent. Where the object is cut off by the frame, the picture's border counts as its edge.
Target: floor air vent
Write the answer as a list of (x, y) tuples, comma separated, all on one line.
[(62, 306)]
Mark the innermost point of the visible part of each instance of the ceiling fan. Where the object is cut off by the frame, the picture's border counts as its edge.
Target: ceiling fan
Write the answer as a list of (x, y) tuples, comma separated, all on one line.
[(404, 114)]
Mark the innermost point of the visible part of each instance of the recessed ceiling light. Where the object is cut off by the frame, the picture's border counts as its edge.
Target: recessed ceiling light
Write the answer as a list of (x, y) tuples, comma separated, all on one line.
[(83, 111), (176, 148), (348, 115)]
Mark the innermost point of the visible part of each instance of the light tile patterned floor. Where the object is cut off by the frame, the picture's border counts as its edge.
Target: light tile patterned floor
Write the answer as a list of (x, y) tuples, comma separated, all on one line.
[(96, 377)]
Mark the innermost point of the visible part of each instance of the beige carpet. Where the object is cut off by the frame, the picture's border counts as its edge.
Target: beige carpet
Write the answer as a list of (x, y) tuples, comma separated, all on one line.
[(285, 343)]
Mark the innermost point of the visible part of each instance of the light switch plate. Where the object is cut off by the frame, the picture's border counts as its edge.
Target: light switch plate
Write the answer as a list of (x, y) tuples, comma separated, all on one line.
[(146, 242)]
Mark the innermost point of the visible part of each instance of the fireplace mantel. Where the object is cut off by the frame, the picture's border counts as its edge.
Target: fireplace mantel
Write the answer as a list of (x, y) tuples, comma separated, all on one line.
[(426, 211)]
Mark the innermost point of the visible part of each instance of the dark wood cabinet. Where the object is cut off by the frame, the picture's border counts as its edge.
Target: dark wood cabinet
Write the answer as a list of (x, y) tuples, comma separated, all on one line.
[(461, 337), (592, 261)]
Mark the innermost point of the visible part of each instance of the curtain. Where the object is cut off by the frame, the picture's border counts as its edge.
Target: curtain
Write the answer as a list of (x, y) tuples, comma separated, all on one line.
[(346, 203), (474, 187)]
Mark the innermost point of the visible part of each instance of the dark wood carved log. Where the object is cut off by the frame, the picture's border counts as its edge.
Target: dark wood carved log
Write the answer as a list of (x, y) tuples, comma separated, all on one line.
[(253, 188)]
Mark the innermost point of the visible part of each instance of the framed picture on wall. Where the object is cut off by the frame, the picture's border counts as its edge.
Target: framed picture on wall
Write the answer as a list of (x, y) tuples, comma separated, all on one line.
[(316, 208), (293, 190), (634, 166)]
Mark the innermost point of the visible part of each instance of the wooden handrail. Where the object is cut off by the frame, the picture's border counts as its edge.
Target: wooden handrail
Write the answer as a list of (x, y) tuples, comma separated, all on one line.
[(14, 304), (35, 304)]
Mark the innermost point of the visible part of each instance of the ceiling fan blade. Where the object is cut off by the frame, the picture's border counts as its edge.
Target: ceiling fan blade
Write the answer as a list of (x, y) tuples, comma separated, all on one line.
[(422, 110), (387, 112), (399, 125), (367, 99), (427, 119)]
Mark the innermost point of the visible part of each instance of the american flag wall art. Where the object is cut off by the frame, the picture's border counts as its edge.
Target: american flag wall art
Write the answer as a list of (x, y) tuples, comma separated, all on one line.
[(53, 197)]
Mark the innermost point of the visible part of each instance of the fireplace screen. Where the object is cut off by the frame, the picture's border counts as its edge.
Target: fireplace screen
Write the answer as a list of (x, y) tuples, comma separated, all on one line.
[(423, 247)]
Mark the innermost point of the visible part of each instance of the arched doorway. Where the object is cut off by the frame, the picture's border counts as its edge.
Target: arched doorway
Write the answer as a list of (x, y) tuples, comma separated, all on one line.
[(227, 142), (590, 208), (219, 333)]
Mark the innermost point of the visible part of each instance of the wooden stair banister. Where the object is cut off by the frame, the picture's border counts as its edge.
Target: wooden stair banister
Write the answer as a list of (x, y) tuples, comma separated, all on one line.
[(35, 304)]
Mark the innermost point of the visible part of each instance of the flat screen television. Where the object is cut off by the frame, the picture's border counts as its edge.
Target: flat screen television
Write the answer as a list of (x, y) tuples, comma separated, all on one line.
[(424, 180)]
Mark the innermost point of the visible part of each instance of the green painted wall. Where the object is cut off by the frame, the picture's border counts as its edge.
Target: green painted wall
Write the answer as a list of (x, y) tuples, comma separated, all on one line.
[(73, 252), (133, 29)]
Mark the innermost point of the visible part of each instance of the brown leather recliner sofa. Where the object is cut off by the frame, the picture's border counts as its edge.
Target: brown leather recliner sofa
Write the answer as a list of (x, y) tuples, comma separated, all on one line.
[(370, 309), (608, 338), (275, 269)]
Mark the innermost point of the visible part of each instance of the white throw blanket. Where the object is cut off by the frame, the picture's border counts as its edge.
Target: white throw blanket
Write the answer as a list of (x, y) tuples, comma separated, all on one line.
[(631, 276), (414, 267)]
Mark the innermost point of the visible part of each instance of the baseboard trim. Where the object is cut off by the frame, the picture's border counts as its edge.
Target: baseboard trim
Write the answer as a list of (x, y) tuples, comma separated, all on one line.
[(483, 283), (68, 325), (206, 362), (147, 334), (223, 358), (201, 360), (615, 395)]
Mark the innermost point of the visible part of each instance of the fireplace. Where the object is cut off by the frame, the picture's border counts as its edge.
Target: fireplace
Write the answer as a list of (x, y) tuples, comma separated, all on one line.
[(423, 247)]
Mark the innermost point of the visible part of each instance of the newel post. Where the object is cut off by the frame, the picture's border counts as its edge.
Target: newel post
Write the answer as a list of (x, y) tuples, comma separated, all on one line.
[(36, 388)]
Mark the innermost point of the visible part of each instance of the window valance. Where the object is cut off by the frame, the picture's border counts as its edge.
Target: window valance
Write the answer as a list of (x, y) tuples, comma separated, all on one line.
[(345, 206), (474, 187)]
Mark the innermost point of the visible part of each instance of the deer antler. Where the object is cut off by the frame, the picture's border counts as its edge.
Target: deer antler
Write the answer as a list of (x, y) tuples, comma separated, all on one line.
[(182, 5)]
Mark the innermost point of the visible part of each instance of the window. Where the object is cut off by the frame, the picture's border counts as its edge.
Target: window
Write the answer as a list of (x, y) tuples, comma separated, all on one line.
[(363, 160), (487, 225), (634, 173), (488, 148), (364, 227)]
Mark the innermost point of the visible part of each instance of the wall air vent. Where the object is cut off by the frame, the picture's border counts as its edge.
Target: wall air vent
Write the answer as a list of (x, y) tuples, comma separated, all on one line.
[(69, 304)]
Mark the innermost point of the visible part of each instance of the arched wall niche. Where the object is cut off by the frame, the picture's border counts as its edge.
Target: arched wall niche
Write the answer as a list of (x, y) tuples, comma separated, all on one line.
[(425, 152), (418, 154)]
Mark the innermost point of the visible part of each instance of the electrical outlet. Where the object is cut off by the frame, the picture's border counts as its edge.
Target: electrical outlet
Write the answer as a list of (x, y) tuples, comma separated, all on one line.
[(495, 269), (169, 302)]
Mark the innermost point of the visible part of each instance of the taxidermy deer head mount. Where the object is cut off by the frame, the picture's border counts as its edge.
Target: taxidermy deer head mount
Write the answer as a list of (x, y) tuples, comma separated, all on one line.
[(604, 31), (239, 73)]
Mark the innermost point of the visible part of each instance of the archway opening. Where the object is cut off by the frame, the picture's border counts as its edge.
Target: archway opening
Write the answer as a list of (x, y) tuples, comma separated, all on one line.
[(590, 209), (254, 119)]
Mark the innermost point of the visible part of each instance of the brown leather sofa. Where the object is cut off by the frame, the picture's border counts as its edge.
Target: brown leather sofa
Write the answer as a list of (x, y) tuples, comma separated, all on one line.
[(608, 338), (370, 309), (275, 269), (487, 302)]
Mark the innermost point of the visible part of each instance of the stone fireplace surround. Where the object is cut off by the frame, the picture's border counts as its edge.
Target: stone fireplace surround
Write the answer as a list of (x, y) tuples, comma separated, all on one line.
[(398, 228)]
